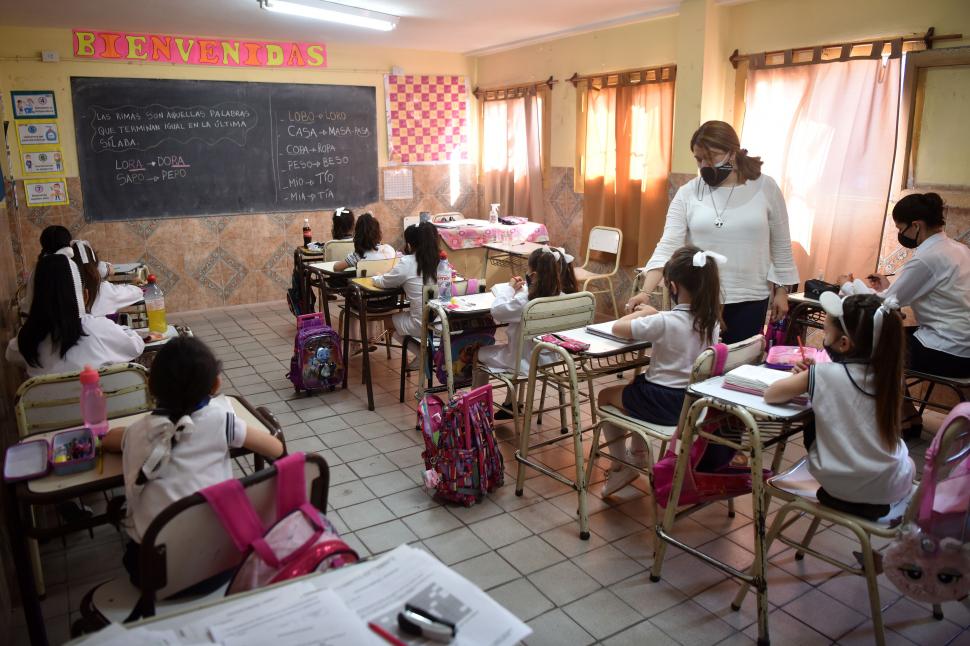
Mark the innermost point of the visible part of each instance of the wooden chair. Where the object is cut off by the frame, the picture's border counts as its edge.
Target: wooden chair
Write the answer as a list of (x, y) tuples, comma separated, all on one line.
[(604, 240), (379, 313), (185, 545)]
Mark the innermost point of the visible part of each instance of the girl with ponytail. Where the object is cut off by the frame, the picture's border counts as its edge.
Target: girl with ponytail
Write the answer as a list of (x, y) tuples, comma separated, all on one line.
[(678, 336)]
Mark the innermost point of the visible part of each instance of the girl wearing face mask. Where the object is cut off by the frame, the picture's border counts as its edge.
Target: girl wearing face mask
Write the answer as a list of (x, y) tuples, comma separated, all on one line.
[(855, 450), (736, 211), (935, 282), (678, 336)]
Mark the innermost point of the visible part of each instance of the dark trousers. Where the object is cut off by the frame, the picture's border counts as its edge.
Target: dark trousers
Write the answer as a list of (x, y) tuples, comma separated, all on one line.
[(934, 362), (743, 320)]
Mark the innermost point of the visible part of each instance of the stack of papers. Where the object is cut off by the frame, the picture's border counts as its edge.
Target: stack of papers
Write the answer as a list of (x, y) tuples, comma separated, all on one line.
[(605, 330), (755, 380)]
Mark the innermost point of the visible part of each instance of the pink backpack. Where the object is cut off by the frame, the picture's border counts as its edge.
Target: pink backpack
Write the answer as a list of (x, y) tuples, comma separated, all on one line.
[(461, 456), (930, 558), (710, 473), (301, 540)]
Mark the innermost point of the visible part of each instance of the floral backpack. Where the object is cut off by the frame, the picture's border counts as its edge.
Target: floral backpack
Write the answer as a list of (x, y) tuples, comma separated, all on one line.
[(930, 558)]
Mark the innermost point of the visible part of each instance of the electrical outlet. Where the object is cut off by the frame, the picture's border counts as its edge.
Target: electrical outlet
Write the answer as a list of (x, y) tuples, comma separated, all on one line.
[(49, 56)]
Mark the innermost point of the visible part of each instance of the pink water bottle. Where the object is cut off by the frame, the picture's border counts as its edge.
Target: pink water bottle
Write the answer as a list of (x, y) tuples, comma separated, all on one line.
[(94, 407)]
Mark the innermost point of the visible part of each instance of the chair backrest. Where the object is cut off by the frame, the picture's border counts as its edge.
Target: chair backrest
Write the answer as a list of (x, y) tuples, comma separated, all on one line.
[(449, 216), (749, 351), (661, 291), (409, 220), (605, 240), (186, 543), (554, 314), (375, 267), (52, 402), (337, 249)]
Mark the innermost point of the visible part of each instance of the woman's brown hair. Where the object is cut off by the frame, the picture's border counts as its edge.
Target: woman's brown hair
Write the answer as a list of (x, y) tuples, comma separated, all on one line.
[(704, 286), (886, 363), (720, 136), (90, 274), (548, 277), (367, 234)]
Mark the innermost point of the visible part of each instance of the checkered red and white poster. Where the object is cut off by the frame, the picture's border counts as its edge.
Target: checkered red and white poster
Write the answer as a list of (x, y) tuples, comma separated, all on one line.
[(427, 118)]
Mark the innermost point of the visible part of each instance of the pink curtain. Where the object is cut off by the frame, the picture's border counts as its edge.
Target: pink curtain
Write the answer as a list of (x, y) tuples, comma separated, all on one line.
[(826, 133), (511, 156)]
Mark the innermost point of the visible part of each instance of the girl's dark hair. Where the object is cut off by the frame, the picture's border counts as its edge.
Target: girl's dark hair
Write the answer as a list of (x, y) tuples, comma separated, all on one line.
[(567, 277), (886, 363), (422, 241), (719, 135), (367, 234), (927, 207), (548, 275), (704, 286), (53, 238), (90, 274), (53, 311), (343, 224), (182, 376)]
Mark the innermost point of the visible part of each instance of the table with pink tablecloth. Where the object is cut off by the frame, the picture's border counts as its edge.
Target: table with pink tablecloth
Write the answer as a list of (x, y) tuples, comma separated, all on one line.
[(478, 235)]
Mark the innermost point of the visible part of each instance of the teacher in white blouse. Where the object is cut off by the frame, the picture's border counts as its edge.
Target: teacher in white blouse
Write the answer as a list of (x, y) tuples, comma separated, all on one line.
[(736, 211)]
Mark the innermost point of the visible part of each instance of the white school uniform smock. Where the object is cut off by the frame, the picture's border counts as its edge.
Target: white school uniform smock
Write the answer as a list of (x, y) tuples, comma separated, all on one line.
[(113, 297), (381, 252), (199, 459), (405, 275), (848, 459), (936, 284), (102, 343), (754, 238), (676, 345), (508, 307)]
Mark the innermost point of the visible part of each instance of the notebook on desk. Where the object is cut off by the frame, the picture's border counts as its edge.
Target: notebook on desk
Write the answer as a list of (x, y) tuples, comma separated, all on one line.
[(605, 330), (756, 380), (126, 267)]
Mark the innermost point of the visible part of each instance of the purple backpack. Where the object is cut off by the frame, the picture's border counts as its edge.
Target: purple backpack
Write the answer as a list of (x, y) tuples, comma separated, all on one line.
[(300, 542), (461, 455), (316, 361)]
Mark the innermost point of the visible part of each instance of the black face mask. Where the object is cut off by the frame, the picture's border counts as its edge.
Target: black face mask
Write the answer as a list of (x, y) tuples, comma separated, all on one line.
[(906, 241), (834, 355), (715, 175)]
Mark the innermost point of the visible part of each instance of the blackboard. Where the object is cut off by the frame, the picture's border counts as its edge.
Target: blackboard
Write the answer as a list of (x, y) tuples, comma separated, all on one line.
[(151, 148)]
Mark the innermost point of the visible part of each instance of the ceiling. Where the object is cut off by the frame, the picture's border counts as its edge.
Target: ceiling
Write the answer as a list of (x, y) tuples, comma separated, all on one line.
[(466, 26)]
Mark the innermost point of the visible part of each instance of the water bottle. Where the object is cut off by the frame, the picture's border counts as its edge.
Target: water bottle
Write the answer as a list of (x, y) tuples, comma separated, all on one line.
[(155, 304), (307, 233), (444, 278), (94, 407), (493, 214)]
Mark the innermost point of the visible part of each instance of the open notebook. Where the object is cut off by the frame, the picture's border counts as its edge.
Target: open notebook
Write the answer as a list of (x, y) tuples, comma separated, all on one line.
[(756, 379), (605, 330)]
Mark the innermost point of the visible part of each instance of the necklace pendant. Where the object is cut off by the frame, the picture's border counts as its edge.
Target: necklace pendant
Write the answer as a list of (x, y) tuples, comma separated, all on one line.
[(718, 223)]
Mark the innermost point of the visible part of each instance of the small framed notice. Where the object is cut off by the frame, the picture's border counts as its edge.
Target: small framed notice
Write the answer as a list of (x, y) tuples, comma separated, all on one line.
[(398, 184), (39, 162), (37, 104), (35, 133), (46, 192)]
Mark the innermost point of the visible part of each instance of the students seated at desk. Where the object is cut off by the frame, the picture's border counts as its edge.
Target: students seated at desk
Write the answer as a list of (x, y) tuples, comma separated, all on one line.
[(101, 297), (855, 449), (183, 446), (59, 335), (413, 271), (52, 238), (543, 280), (343, 224), (679, 337), (367, 244)]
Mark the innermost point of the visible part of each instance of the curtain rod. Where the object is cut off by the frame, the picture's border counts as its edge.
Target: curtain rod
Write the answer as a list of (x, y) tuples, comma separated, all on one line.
[(510, 91), (927, 39), (648, 74)]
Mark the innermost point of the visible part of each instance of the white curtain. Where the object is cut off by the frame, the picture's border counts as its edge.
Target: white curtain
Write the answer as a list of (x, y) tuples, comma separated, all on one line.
[(827, 133), (511, 155)]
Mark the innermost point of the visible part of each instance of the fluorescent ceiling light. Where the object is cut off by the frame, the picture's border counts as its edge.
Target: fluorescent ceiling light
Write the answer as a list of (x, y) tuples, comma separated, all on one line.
[(333, 12)]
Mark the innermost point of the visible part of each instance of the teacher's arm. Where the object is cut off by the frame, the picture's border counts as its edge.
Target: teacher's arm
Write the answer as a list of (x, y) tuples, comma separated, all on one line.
[(674, 237), (915, 280), (782, 271)]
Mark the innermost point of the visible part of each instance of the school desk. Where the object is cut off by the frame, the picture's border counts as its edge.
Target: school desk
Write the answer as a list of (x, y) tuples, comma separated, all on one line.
[(803, 312), (329, 282), (512, 256), (464, 241), (129, 272), (748, 424), (604, 357), (363, 297), (54, 489), (301, 257)]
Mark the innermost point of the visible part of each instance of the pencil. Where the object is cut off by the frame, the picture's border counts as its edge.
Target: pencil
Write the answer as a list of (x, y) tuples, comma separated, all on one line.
[(388, 637), (801, 348)]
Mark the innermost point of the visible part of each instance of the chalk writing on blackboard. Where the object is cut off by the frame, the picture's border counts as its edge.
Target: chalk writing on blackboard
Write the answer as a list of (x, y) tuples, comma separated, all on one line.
[(134, 127)]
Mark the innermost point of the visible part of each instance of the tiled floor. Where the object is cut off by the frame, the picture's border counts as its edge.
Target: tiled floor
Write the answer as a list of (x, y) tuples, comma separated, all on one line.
[(525, 551)]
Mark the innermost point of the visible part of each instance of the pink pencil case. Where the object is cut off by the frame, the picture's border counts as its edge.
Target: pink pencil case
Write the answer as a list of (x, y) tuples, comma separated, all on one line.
[(784, 357), (571, 345), (67, 452)]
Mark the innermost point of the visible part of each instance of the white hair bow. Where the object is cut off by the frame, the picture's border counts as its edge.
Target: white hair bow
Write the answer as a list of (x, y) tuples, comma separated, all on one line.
[(856, 287), (889, 305), (161, 439), (700, 258), (85, 250), (68, 253), (559, 253), (341, 210)]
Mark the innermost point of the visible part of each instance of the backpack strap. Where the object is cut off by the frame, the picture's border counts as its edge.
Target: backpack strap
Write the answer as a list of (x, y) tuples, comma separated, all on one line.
[(236, 514), (929, 480), (290, 484), (720, 359)]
